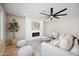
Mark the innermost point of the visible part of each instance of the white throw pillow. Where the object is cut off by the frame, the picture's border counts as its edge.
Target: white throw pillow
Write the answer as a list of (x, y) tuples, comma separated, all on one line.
[(54, 35), (61, 36), (21, 43), (66, 42), (57, 43), (75, 49)]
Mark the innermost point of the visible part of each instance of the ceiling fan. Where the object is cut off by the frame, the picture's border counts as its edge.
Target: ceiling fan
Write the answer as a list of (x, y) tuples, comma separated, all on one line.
[(54, 15)]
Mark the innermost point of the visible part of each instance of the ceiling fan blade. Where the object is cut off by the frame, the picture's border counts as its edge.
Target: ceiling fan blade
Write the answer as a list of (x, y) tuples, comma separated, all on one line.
[(44, 14), (42, 17), (60, 11), (46, 18), (56, 17), (51, 11), (61, 15)]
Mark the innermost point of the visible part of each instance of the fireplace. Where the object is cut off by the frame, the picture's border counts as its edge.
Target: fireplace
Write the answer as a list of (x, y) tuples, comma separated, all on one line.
[(34, 34)]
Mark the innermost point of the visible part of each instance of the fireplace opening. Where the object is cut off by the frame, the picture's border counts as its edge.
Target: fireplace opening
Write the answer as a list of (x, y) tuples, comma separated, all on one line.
[(35, 34)]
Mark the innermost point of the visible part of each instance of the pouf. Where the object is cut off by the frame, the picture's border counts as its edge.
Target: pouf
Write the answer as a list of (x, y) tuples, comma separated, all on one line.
[(25, 51), (21, 43)]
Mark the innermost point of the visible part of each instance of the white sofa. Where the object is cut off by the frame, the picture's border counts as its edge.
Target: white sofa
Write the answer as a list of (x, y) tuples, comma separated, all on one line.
[(35, 43), (47, 49), (50, 50)]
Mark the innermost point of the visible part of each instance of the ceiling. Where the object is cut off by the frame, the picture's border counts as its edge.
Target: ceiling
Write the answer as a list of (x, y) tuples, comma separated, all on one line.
[(33, 10)]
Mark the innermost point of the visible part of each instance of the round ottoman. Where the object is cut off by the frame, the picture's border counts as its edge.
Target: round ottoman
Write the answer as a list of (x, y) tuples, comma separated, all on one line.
[(21, 43), (25, 51)]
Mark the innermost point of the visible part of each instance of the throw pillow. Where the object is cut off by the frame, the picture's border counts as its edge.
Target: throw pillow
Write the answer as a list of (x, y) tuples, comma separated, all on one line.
[(67, 42)]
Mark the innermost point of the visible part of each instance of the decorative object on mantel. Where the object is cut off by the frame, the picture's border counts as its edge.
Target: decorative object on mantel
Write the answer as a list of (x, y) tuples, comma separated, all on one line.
[(54, 15), (13, 27)]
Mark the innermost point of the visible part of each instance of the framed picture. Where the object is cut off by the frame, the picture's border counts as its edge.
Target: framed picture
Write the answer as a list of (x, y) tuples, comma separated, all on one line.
[(35, 25)]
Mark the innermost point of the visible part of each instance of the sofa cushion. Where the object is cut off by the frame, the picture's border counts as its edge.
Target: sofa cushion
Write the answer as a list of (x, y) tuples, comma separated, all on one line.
[(35, 43), (50, 50), (55, 42), (61, 36), (67, 42), (54, 35)]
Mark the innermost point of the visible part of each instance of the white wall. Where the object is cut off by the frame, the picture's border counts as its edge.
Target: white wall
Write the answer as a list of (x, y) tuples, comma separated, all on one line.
[(21, 34), (3, 29), (66, 24)]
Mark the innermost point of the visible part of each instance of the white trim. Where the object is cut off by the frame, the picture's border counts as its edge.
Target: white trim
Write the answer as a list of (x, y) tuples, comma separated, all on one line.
[(3, 50), (2, 41), (1, 25)]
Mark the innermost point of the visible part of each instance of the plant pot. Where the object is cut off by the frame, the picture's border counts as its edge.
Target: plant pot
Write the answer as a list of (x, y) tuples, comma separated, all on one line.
[(9, 42), (14, 41)]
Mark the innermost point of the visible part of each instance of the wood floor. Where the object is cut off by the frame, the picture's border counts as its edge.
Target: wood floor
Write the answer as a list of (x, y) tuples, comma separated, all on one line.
[(10, 50)]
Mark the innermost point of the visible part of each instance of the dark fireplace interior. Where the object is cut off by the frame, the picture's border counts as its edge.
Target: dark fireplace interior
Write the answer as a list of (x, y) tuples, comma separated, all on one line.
[(35, 34)]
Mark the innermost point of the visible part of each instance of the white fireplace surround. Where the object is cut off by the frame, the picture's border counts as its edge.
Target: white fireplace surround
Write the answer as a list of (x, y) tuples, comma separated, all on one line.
[(29, 30)]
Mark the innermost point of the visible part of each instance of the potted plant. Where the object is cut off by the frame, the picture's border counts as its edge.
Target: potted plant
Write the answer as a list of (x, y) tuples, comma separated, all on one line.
[(13, 27)]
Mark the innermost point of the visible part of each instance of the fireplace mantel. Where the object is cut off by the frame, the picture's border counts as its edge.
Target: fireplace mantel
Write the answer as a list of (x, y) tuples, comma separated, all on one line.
[(30, 33)]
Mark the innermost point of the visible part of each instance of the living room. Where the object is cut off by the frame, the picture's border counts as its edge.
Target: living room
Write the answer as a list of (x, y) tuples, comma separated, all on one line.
[(39, 25)]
